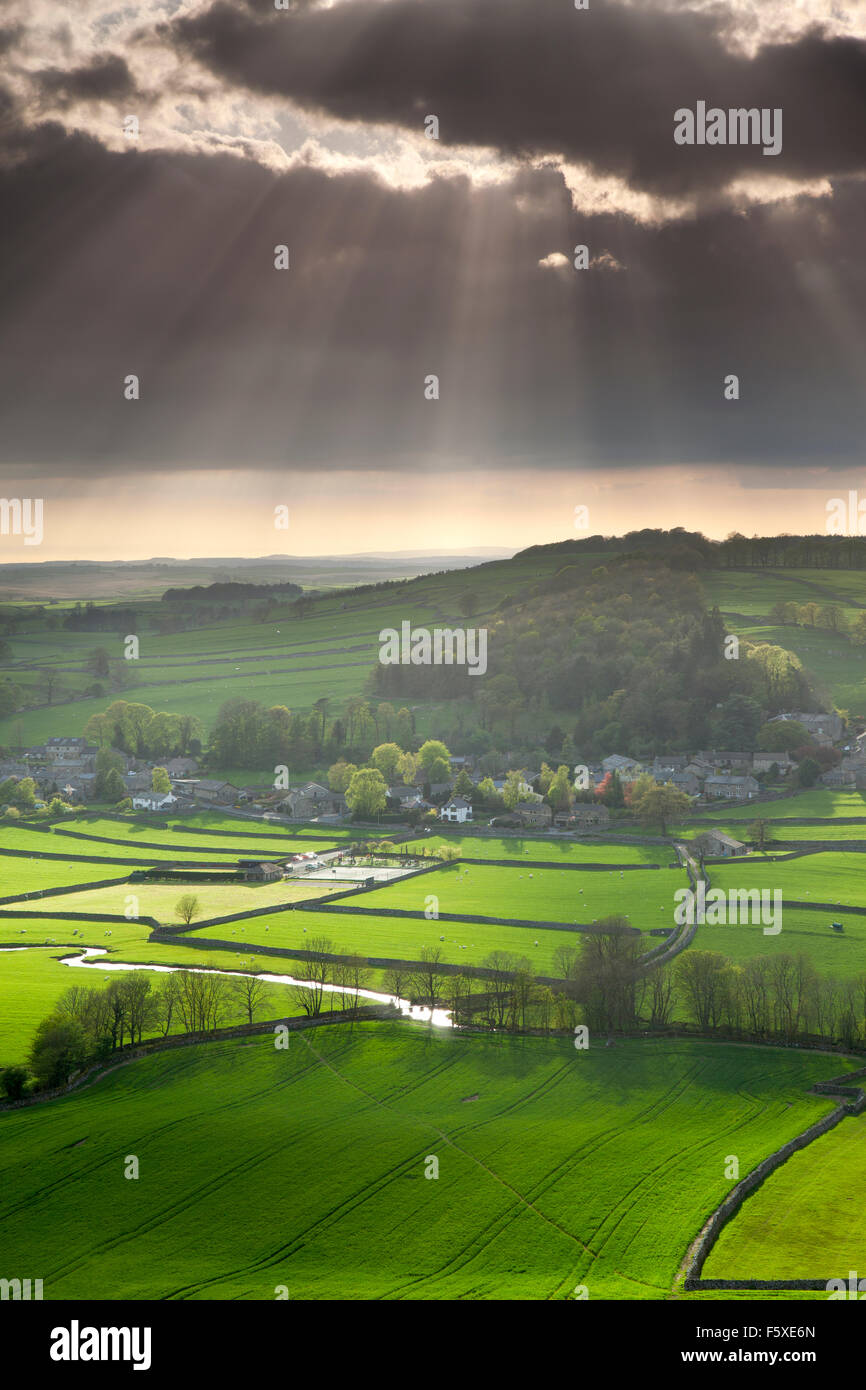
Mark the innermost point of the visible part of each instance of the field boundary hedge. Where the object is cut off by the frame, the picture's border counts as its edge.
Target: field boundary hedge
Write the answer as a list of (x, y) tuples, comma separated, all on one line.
[(853, 1103)]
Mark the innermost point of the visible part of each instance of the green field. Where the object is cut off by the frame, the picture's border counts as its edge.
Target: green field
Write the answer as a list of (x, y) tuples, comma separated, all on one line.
[(215, 899), (827, 877), (518, 847), (806, 1221), (395, 938), (567, 1168), (538, 895), (823, 803), (25, 875), (32, 981), (840, 955)]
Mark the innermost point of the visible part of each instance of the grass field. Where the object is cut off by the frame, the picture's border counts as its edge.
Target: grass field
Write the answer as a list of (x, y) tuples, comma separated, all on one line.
[(32, 981), (395, 938), (518, 847), (215, 899), (548, 895), (806, 1221), (25, 875), (841, 955), (822, 803), (828, 877), (567, 1168)]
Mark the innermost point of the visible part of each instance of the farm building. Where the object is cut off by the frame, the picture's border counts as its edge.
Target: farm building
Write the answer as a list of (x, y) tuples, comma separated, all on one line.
[(722, 845), (733, 788), (260, 873), (533, 813)]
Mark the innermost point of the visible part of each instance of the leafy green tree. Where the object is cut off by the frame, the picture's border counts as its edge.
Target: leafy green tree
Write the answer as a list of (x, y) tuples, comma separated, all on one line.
[(24, 795), (739, 721), (560, 795), (545, 777), (14, 1082), (107, 762), (661, 805), (512, 792), (808, 772), (386, 758), (98, 662), (432, 753), (115, 790), (366, 793), (439, 771), (59, 1048), (781, 736), (10, 698), (464, 785), (340, 775), (408, 769), (487, 791), (160, 781)]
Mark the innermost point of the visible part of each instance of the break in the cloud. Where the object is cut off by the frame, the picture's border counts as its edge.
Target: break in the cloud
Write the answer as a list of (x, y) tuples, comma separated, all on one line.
[(411, 257), (596, 87)]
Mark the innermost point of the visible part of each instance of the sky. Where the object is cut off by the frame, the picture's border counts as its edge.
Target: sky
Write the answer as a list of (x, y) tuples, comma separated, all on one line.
[(154, 155)]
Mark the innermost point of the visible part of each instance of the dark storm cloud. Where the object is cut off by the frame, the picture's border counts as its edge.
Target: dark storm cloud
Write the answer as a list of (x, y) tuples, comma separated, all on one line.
[(161, 264), (599, 85), (104, 79), (9, 36)]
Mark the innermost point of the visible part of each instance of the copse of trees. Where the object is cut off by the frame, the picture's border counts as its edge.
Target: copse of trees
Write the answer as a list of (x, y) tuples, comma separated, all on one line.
[(248, 735), (89, 1023), (134, 728)]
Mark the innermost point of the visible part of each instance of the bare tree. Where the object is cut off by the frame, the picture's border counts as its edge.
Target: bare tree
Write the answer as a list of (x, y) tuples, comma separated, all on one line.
[(314, 974), (250, 993), (396, 981), (428, 977), (702, 975), (169, 997), (661, 996), (501, 965)]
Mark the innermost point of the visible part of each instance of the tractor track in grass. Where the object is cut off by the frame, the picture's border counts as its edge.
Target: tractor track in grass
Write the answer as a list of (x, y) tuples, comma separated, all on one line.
[(60, 1183), (327, 1219)]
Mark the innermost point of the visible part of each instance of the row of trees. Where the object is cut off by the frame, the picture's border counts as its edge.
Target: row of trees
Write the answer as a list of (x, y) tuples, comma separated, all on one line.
[(92, 1021)]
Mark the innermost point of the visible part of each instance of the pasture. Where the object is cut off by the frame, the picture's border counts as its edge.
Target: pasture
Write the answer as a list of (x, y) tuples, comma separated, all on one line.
[(567, 1168), (393, 938), (806, 1221), (840, 955), (549, 895), (829, 876), (32, 981), (517, 847), (159, 900)]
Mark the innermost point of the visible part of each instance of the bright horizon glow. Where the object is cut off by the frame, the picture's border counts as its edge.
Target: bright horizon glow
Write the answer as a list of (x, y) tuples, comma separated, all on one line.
[(208, 514)]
